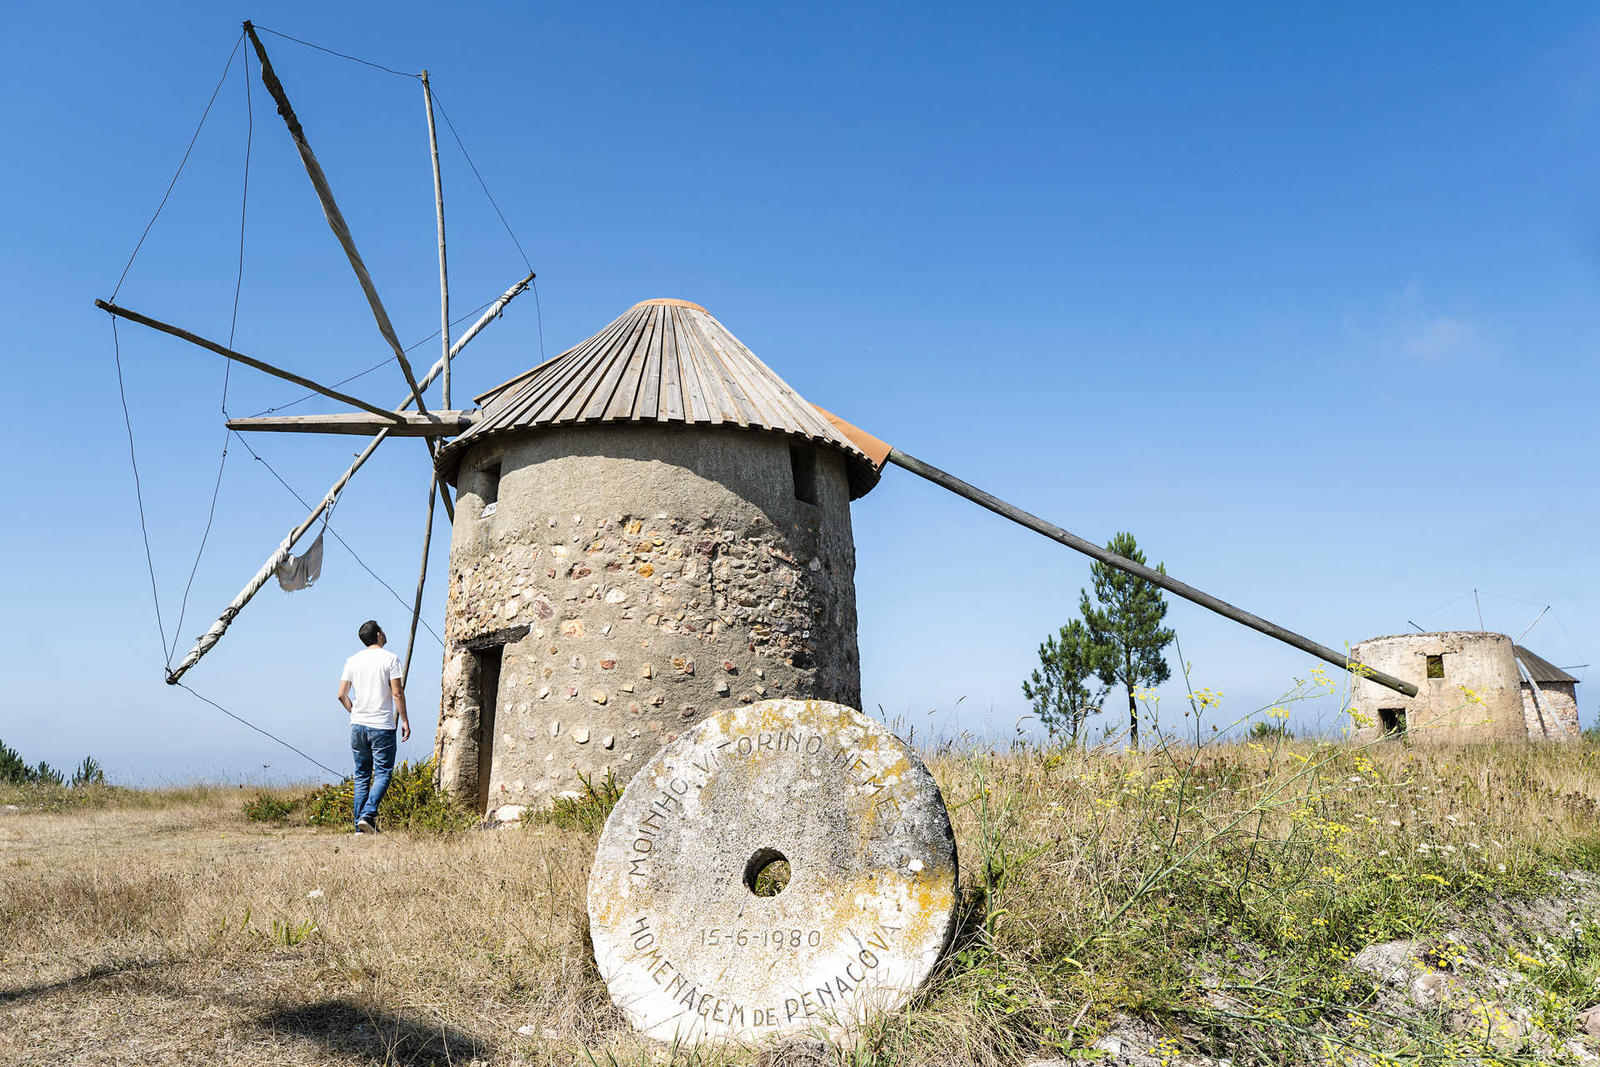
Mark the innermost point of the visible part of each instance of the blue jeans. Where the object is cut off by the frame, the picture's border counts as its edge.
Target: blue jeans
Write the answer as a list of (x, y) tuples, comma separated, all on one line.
[(374, 753)]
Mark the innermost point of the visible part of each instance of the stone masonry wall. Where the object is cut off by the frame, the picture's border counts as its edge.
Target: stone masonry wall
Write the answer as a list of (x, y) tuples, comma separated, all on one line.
[(661, 573), (1478, 699), (1559, 702)]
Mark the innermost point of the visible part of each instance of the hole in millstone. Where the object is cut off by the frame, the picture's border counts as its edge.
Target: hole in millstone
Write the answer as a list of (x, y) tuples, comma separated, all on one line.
[(767, 872)]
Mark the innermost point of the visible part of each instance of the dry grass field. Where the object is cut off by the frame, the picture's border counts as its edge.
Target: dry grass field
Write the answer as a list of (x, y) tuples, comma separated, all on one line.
[(1160, 907)]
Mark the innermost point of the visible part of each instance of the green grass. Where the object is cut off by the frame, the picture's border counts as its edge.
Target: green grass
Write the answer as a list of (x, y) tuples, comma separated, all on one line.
[(1219, 893)]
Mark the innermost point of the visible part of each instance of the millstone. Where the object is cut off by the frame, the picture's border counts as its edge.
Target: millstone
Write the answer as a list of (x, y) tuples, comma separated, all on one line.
[(689, 935)]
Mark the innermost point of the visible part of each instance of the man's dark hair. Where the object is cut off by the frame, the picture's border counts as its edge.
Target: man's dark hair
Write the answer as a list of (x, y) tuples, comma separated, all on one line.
[(369, 632)]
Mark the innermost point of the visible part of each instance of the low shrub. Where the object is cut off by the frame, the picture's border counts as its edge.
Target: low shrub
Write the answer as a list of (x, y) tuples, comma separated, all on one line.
[(413, 802), (331, 805), (587, 811), (265, 808), (14, 771), (1270, 730), (89, 772)]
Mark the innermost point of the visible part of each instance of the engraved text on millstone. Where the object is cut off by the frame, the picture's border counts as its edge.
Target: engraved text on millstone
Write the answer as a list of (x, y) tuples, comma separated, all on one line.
[(668, 801), (820, 1002)]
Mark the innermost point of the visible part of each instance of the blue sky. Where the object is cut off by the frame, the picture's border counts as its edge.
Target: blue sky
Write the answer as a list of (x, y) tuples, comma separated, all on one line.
[(1303, 297)]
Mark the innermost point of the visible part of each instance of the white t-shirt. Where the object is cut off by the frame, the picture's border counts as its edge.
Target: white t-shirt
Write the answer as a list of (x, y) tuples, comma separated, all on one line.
[(369, 673)]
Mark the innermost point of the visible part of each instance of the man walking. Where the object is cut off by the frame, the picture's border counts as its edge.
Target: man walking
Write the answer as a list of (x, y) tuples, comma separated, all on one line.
[(372, 690)]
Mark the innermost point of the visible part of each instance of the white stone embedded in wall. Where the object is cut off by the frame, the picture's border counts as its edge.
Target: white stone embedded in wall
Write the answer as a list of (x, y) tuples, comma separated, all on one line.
[(691, 952)]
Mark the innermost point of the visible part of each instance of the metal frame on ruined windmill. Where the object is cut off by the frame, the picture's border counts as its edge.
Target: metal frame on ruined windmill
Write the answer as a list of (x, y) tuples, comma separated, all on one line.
[(383, 423)]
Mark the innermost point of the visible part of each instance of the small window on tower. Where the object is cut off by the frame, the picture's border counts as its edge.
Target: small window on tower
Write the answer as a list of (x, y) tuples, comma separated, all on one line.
[(489, 488), (803, 462), (1435, 666)]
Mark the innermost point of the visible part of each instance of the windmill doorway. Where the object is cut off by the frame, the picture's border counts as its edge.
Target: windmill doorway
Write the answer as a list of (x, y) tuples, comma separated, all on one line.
[(478, 706), (1393, 721), (483, 689)]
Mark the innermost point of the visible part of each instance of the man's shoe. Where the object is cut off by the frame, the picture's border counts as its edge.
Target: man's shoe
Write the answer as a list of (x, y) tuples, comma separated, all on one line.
[(361, 828), (366, 826)]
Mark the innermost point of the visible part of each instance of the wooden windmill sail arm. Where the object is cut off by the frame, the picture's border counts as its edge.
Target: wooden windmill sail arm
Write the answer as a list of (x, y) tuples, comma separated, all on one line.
[(444, 342), (436, 423), (385, 414), (880, 452), (438, 212), (487, 317), (209, 639), (262, 576), (422, 578), (330, 210)]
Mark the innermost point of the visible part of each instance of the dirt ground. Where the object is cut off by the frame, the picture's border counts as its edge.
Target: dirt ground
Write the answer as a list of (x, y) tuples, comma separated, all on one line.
[(186, 934)]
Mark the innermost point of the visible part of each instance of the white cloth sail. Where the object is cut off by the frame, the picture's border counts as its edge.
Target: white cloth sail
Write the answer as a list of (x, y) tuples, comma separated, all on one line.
[(301, 572)]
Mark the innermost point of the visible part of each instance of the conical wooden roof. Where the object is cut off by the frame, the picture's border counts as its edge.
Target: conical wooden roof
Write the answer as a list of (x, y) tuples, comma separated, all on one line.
[(660, 361)]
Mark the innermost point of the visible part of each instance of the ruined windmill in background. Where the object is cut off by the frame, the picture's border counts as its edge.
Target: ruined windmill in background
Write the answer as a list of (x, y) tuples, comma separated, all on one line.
[(654, 527)]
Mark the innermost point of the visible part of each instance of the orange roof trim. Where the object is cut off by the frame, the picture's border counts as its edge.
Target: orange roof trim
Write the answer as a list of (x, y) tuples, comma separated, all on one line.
[(875, 449)]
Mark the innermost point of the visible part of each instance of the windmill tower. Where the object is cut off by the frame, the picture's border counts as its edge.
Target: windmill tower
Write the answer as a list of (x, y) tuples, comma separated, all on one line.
[(649, 528)]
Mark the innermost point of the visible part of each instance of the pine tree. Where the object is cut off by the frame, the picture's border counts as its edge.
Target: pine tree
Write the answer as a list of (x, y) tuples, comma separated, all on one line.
[(1124, 624), (1061, 688)]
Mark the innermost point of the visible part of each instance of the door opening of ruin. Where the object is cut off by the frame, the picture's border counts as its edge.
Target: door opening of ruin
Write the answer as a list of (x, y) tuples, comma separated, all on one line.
[(485, 687), (803, 462), (1393, 720), (766, 874)]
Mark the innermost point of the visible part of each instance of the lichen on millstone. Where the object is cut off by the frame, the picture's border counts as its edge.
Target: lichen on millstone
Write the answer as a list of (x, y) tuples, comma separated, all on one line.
[(692, 953)]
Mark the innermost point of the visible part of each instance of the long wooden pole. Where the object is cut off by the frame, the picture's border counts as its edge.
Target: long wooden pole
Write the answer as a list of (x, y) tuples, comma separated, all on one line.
[(422, 578), (436, 423), (330, 210), (438, 213), (1154, 577), (209, 639), (240, 357), (444, 340)]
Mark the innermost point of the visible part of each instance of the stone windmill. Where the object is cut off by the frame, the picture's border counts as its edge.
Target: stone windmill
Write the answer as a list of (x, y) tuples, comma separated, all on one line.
[(653, 527), (650, 527)]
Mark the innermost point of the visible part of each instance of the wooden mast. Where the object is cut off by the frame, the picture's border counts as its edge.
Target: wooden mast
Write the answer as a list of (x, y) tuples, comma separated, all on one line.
[(240, 357), (438, 213), (214, 634), (444, 340)]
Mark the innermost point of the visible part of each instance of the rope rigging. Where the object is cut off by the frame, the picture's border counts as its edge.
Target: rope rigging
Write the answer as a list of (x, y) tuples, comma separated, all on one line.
[(227, 369), (169, 647), (1548, 609), (538, 311), (381, 363), (116, 345), (138, 485), (173, 183), (263, 733), (326, 517)]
